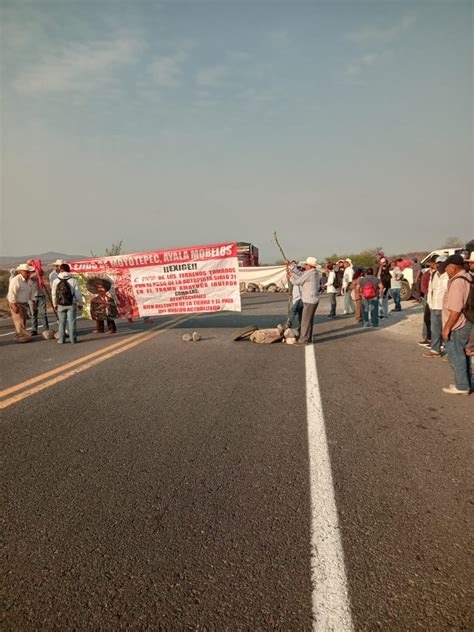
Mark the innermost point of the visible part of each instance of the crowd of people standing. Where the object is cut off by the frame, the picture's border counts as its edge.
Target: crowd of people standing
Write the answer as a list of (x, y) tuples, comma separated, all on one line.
[(27, 298), (445, 288), (366, 292)]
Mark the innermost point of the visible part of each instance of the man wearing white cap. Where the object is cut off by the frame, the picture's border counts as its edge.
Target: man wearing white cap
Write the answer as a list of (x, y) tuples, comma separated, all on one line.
[(309, 282), (20, 291), (349, 307)]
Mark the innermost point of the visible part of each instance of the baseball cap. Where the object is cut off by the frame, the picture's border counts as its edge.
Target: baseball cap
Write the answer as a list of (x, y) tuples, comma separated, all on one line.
[(455, 260), (441, 259)]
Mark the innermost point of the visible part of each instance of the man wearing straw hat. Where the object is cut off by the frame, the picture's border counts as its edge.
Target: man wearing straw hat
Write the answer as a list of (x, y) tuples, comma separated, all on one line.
[(55, 273), (20, 291), (309, 283)]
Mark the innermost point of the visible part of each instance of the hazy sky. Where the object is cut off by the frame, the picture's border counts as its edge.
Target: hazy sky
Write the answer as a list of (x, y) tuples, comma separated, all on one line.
[(343, 125)]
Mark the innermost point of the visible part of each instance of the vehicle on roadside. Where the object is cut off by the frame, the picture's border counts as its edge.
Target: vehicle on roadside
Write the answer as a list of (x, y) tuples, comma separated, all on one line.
[(407, 281), (247, 254)]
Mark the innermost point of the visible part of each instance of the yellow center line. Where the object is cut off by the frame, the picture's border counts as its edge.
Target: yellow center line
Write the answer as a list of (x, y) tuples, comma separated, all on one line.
[(68, 365), (64, 376)]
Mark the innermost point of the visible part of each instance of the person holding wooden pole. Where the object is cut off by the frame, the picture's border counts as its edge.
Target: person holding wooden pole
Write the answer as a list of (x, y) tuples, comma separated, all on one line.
[(309, 282), (41, 309)]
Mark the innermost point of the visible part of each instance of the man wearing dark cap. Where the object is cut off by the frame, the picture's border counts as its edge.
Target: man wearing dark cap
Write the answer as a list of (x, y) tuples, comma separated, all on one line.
[(456, 327)]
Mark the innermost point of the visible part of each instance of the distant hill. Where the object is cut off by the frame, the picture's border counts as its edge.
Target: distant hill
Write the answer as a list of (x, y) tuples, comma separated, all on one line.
[(47, 259)]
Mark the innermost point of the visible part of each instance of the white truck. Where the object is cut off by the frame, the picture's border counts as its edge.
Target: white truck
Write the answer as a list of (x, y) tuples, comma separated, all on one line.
[(407, 282)]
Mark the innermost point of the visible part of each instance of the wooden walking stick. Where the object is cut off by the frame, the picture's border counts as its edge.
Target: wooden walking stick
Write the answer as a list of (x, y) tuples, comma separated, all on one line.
[(279, 246), (290, 286), (48, 294)]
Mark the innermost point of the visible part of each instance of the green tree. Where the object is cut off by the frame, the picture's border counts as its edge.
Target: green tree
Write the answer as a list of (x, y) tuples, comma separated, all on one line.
[(366, 258), (453, 242), (115, 249)]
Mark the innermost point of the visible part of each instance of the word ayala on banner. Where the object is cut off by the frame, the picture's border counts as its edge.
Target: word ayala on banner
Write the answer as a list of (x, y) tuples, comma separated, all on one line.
[(186, 280)]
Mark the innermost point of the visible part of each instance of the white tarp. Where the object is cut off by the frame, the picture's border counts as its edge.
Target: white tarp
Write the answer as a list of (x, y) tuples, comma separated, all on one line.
[(263, 275)]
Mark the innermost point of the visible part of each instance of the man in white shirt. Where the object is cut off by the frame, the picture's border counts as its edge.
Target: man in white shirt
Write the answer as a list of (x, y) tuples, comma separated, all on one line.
[(349, 306), (331, 290), (436, 291), (20, 291)]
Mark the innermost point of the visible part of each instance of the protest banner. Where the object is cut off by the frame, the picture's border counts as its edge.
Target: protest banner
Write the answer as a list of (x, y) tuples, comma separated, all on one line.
[(179, 281)]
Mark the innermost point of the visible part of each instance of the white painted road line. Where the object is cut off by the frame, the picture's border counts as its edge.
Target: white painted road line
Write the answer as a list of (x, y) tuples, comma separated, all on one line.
[(331, 607), (10, 333)]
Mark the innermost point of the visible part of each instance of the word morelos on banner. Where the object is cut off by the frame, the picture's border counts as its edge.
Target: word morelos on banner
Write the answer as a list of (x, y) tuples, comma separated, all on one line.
[(180, 281)]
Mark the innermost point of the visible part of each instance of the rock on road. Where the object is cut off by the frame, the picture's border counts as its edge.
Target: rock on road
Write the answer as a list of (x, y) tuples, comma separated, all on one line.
[(167, 488)]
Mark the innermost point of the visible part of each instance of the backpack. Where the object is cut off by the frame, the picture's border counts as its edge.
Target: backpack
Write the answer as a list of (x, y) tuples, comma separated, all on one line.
[(64, 293), (468, 309), (368, 290)]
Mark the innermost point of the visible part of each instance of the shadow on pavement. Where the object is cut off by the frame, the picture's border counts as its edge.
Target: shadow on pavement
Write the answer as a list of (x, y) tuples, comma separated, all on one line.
[(232, 321)]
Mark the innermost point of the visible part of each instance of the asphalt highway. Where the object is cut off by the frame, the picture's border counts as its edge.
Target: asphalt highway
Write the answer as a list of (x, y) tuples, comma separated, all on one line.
[(153, 484)]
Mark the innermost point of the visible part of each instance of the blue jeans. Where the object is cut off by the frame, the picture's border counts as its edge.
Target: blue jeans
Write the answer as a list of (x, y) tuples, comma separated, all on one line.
[(436, 329), (69, 313), (459, 361), (396, 298), (370, 305), (40, 312), (333, 297), (295, 314), (383, 303)]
